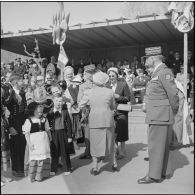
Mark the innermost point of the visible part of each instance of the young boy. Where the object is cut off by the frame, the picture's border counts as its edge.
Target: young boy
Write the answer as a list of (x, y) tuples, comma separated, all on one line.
[(61, 131)]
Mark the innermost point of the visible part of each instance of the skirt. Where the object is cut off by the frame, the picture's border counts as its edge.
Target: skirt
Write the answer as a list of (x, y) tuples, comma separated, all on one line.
[(102, 141), (122, 127)]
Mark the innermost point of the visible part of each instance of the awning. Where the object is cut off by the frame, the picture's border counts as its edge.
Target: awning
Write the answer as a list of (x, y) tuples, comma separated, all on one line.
[(104, 34)]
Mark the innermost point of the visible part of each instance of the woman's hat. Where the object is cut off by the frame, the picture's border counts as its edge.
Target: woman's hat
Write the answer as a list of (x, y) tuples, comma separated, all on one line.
[(77, 80), (100, 78), (113, 69), (68, 67)]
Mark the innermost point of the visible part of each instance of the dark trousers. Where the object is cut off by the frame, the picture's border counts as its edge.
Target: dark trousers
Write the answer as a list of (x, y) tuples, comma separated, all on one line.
[(159, 137), (17, 150), (60, 148), (87, 145)]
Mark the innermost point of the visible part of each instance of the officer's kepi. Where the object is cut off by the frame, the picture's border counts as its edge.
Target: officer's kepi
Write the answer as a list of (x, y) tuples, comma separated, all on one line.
[(152, 51)]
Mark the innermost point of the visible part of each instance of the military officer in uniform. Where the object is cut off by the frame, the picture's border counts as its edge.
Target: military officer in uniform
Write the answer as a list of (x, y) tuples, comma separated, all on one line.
[(162, 103)]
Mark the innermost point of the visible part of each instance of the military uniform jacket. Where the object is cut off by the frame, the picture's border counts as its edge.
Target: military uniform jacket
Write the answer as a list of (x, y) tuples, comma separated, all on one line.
[(162, 100)]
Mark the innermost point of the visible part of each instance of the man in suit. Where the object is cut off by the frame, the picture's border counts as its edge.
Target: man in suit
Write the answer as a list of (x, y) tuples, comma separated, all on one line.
[(139, 83), (17, 107), (89, 70), (162, 103)]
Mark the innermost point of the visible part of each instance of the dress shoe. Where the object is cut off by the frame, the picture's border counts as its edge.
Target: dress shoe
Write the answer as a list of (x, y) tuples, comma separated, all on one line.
[(94, 171), (148, 180), (17, 174), (85, 156), (163, 177), (146, 159), (115, 168), (67, 173), (52, 173), (120, 157)]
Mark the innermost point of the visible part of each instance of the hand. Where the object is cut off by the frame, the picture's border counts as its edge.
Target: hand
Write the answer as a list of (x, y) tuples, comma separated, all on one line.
[(116, 96), (31, 147), (12, 131), (69, 140)]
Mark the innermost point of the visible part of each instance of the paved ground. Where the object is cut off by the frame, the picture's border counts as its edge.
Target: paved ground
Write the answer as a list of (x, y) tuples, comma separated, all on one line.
[(131, 168)]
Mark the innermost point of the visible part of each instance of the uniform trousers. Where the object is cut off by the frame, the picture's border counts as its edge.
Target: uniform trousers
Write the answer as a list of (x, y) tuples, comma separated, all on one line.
[(60, 148), (159, 137), (17, 150)]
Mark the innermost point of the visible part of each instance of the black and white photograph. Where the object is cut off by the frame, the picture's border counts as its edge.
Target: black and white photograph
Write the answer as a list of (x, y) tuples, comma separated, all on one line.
[(97, 97)]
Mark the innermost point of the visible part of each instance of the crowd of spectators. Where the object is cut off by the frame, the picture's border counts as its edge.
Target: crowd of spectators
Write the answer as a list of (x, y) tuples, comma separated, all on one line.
[(133, 72)]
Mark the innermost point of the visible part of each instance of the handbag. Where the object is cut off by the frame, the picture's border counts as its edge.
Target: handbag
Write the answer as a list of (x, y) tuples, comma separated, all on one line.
[(125, 107)]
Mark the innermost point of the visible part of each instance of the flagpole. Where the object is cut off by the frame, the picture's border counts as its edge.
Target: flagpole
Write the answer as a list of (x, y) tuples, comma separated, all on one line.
[(185, 62)]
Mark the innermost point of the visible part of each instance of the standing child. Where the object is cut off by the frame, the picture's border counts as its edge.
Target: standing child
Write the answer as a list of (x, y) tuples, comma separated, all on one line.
[(60, 123), (36, 130)]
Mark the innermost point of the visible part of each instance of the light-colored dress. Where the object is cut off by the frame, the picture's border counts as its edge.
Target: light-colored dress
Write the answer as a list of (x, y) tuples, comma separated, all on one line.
[(101, 120)]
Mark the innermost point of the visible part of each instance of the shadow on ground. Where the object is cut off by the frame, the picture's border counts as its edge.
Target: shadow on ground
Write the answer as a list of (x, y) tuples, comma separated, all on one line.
[(178, 160), (131, 151)]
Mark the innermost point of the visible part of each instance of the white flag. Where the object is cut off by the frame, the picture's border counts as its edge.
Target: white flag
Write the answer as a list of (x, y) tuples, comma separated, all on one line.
[(62, 58)]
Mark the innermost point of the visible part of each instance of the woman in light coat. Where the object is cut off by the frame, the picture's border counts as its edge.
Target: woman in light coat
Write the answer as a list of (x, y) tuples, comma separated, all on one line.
[(101, 120)]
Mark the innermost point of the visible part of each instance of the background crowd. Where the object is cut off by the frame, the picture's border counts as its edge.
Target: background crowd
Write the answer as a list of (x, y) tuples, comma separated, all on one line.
[(33, 88)]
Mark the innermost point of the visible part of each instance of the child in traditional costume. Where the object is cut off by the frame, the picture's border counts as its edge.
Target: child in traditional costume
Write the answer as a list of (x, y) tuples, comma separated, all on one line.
[(37, 133)]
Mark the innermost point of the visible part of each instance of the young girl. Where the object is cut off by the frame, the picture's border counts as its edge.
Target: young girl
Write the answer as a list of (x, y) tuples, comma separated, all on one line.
[(38, 137)]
